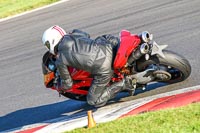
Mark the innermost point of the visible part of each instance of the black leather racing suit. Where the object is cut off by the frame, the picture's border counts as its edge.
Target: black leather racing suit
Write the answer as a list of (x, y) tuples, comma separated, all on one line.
[(95, 56)]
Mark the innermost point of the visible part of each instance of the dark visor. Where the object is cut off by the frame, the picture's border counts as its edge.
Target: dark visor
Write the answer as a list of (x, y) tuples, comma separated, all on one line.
[(47, 44)]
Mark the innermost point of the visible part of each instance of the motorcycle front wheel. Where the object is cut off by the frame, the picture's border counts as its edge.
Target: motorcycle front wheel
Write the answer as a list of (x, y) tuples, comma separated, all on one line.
[(175, 64)]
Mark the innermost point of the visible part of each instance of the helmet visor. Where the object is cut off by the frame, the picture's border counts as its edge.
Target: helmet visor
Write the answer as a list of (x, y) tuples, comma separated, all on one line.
[(47, 44)]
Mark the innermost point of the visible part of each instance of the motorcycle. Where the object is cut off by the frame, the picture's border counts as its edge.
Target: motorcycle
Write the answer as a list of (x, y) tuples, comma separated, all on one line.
[(139, 59)]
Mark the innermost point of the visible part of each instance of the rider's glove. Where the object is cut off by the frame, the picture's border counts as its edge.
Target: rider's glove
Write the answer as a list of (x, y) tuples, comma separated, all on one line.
[(66, 84)]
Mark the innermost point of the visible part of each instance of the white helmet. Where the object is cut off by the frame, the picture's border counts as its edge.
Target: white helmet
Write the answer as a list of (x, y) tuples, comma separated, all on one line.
[(52, 36)]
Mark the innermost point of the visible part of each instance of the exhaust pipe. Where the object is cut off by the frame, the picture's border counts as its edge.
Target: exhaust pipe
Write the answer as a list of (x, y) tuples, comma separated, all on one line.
[(146, 37), (140, 51), (144, 48)]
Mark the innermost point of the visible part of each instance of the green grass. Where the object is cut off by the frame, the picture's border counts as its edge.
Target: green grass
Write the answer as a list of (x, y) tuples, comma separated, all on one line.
[(180, 120), (13, 7)]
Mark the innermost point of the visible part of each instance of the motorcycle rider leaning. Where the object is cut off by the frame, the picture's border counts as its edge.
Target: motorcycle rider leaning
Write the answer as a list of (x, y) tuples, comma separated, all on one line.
[(78, 50)]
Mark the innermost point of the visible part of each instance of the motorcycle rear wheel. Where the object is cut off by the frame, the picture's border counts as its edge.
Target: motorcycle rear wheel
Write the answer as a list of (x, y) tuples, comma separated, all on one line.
[(177, 65)]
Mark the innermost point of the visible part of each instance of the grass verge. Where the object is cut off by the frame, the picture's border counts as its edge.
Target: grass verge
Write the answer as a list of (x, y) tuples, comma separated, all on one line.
[(13, 7), (179, 120)]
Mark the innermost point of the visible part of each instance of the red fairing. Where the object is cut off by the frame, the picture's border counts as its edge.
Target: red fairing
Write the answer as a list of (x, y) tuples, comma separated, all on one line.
[(128, 43), (78, 74), (83, 78)]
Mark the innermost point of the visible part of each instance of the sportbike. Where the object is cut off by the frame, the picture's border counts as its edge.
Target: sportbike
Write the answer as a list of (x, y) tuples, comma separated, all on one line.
[(139, 59)]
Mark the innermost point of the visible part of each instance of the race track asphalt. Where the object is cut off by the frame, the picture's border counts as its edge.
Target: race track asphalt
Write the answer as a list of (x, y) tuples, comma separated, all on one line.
[(24, 99)]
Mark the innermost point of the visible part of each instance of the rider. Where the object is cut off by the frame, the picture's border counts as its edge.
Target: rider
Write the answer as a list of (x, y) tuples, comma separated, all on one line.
[(78, 50)]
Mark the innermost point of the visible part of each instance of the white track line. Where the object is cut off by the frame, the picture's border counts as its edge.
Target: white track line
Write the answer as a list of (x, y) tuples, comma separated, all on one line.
[(37, 9), (103, 114), (106, 113)]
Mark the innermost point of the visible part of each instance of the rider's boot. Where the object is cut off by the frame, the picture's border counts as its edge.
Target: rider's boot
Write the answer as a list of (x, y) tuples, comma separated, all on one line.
[(110, 92)]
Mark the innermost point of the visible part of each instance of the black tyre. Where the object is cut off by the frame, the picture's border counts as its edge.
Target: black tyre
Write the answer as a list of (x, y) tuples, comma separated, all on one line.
[(176, 65)]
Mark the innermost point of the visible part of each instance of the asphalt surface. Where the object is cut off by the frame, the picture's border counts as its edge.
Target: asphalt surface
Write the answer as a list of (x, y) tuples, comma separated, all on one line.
[(24, 99)]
